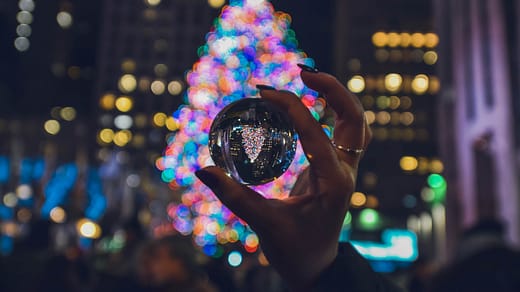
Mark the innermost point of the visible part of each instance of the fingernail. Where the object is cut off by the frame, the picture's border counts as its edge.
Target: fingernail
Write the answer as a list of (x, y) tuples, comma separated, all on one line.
[(307, 68), (207, 178), (264, 87)]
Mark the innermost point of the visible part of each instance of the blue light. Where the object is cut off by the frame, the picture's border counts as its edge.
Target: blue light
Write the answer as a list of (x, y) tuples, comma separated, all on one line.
[(397, 245), (235, 259), (4, 169)]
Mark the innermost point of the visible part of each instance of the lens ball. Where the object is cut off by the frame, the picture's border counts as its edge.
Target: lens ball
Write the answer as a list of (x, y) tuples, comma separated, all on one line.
[(253, 141)]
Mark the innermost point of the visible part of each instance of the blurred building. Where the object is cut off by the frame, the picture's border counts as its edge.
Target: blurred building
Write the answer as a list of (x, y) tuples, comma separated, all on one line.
[(479, 111), (144, 51), (387, 56)]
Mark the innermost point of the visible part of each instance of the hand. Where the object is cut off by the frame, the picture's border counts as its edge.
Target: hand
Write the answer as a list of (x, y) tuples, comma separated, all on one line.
[(299, 235)]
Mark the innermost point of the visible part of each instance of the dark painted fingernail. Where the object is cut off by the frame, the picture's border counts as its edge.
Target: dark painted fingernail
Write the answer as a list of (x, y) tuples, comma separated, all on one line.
[(264, 87), (207, 178), (308, 68)]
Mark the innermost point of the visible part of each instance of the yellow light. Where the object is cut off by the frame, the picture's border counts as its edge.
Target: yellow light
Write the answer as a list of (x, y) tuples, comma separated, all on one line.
[(10, 200), (159, 119), (356, 84), (430, 57), (358, 199), (88, 228), (216, 3), (107, 102), (52, 127), (58, 215), (408, 163), (127, 83), (424, 165), (160, 69), (407, 118), (395, 117), (394, 102), (157, 87), (420, 84), (171, 124), (393, 82), (406, 39), (431, 40), (106, 135), (175, 87), (394, 39), (380, 39), (370, 117), (153, 2), (124, 104), (436, 166), (128, 66), (121, 138), (383, 117), (418, 40), (68, 113), (435, 85), (372, 202)]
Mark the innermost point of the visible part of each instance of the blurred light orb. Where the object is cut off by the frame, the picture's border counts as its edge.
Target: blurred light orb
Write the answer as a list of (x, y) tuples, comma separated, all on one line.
[(10, 200), (408, 163), (106, 136), (107, 102), (88, 228), (216, 3), (22, 44), (24, 192), (68, 113), (24, 215), (160, 70), (431, 40), (356, 84), (393, 82), (64, 19), (127, 83), (122, 138), (235, 259), (436, 166), (123, 122), (159, 119), (253, 141), (23, 30), (24, 17), (383, 117), (358, 199), (175, 87), (52, 127), (128, 66), (26, 5), (394, 39), (430, 57), (58, 215), (171, 124), (157, 87), (420, 84), (153, 2), (380, 39), (124, 104), (370, 117), (418, 40), (133, 180), (406, 39)]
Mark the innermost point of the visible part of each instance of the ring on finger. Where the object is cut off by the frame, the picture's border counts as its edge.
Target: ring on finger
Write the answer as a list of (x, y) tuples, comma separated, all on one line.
[(348, 150)]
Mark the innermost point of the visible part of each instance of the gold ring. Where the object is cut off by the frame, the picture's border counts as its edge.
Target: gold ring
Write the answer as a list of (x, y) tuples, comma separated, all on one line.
[(348, 150)]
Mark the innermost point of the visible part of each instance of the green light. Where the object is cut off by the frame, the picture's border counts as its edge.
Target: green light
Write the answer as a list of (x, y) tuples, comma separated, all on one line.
[(348, 219), (369, 219), (436, 181)]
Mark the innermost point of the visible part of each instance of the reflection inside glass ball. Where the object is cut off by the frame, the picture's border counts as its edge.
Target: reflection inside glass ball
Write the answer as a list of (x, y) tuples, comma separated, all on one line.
[(253, 141)]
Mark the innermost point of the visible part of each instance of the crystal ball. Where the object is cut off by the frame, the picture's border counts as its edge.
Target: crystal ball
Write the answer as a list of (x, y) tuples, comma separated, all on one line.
[(253, 141)]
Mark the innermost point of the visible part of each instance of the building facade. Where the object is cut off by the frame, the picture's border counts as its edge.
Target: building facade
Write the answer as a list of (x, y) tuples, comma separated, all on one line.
[(479, 111)]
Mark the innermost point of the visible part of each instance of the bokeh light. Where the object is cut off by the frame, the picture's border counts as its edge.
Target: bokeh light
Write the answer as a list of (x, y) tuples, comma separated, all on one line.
[(356, 84), (58, 215), (408, 163), (68, 113), (393, 82), (107, 101), (235, 259), (64, 19), (52, 127), (216, 3), (127, 83), (358, 199), (124, 104)]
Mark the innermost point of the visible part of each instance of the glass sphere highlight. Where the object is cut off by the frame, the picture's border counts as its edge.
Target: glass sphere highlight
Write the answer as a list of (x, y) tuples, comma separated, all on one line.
[(253, 141)]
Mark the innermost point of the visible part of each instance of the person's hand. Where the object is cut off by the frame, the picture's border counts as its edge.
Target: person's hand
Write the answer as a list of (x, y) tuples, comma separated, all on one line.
[(299, 235)]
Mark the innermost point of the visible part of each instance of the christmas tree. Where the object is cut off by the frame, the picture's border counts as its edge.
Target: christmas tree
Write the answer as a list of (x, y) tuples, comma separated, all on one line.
[(249, 44)]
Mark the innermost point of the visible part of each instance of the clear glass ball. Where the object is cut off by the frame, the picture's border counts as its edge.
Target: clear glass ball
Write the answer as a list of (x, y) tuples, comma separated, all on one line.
[(253, 141)]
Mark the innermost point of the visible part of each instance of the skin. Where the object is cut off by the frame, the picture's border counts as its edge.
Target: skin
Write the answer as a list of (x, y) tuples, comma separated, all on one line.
[(299, 235)]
